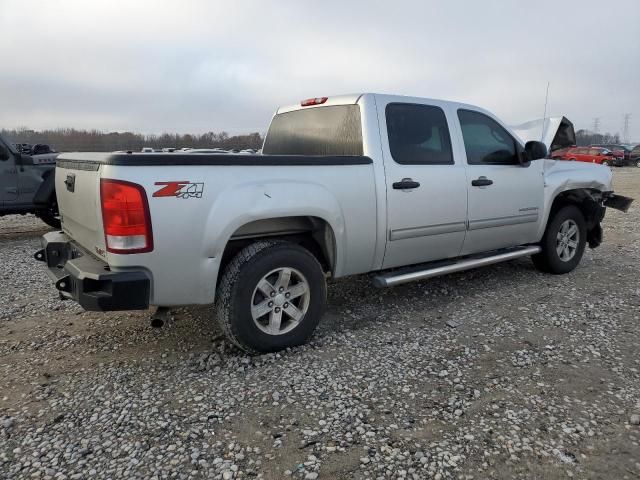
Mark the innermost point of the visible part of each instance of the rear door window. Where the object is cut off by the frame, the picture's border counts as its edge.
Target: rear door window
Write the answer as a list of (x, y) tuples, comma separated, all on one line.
[(332, 130), (418, 134)]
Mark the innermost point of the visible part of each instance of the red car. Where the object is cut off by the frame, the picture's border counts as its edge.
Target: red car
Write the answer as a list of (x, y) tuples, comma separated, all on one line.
[(598, 155)]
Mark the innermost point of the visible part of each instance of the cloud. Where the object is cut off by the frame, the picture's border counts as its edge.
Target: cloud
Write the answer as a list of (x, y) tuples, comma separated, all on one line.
[(197, 65)]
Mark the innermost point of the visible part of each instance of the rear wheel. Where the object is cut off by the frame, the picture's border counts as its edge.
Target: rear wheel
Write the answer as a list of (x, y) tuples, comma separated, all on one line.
[(563, 242), (638, 163), (605, 163), (271, 296)]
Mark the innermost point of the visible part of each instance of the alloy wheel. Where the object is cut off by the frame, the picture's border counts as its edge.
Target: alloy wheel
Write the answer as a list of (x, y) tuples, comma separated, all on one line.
[(280, 301)]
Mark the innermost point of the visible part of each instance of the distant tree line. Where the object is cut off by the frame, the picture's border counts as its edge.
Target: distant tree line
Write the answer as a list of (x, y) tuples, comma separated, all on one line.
[(587, 137), (72, 140)]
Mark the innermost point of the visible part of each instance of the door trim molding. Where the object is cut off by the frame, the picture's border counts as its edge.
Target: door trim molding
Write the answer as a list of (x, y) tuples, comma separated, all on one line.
[(426, 231), (503, 221)]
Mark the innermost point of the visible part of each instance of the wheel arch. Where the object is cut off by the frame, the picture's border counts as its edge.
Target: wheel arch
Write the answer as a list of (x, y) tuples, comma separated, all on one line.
[(589, 202), (311, 232)]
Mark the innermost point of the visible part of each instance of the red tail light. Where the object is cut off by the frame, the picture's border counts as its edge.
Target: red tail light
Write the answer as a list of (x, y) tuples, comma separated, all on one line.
[(125, 216), (313, 101)]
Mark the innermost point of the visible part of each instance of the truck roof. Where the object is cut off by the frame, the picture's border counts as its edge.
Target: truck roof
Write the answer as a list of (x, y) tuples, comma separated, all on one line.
[(353, 98)]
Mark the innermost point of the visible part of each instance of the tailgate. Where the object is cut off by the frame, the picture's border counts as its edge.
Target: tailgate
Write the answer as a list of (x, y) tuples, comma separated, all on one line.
[(78, 192)]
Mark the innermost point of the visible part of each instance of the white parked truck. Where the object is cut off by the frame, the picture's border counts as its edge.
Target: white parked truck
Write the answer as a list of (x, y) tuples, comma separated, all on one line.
[(406, 187)]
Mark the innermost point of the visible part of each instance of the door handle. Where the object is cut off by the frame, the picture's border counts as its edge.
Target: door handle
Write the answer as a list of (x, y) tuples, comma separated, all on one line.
[(481, 182), (405, 184)]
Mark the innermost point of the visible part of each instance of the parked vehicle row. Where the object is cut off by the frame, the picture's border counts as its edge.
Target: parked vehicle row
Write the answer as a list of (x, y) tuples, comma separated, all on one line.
[(620, 151), (409, 188), (598, 155), (198, 150), (608, 155)]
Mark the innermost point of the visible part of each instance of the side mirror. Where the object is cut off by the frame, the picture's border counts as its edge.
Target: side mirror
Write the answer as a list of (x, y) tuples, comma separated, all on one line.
[(535, 150)]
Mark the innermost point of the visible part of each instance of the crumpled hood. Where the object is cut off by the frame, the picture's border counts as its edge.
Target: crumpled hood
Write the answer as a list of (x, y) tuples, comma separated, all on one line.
[(554, 132)]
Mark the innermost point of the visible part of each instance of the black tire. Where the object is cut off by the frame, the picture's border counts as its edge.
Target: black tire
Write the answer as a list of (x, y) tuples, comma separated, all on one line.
[(548, 260), (605, 163), (50, 216), (239, 282)]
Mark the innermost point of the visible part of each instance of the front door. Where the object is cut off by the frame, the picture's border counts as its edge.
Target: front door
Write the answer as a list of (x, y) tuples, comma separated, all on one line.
[(426, 187), (505, 197)]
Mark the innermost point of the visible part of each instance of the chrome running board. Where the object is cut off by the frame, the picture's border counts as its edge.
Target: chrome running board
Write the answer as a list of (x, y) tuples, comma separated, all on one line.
[(399, 277)]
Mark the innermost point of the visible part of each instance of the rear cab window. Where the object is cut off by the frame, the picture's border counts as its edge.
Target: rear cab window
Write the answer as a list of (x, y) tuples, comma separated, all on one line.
[(331, 130)]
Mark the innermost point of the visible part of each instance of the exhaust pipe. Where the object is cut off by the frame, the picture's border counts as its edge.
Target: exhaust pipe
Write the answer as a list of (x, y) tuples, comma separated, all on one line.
[(160, 317)]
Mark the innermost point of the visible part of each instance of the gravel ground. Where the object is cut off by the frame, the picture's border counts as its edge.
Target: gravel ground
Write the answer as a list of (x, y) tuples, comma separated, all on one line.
[(501, 372)]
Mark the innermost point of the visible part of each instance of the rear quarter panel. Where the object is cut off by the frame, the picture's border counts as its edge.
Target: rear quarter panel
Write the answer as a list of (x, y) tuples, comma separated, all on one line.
[(190, 234)]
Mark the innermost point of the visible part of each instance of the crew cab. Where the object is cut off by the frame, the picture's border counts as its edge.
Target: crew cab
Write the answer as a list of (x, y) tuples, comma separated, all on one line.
[(406, 187)]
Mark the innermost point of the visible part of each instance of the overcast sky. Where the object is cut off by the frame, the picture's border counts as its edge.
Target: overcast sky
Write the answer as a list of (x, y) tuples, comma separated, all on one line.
[(212, 65)]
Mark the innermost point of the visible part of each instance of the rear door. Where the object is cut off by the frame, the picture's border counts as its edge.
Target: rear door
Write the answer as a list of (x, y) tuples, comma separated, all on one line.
[(582, 155), (505, 197), (595, 155), (425, 183)]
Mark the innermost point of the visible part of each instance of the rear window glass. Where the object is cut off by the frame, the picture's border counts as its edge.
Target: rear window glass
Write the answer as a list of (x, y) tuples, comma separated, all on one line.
[(334, 130), (418, 134)]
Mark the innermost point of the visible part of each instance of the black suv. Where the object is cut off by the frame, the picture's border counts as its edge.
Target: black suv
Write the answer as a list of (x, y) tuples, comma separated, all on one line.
[(27, 184)]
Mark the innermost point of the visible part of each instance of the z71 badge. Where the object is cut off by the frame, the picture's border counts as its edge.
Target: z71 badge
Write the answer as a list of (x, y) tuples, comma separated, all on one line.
[(180, 189)]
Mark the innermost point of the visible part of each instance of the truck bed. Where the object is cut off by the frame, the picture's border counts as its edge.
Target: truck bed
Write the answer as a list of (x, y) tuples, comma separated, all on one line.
[(226, 196)]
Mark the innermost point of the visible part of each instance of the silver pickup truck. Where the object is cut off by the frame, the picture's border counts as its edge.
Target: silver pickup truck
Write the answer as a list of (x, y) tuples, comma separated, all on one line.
[(407, 187)]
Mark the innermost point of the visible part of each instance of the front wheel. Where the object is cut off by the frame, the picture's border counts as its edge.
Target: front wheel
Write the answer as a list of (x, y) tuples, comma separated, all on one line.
[(563, 242), (605, 163), (271, 296)]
